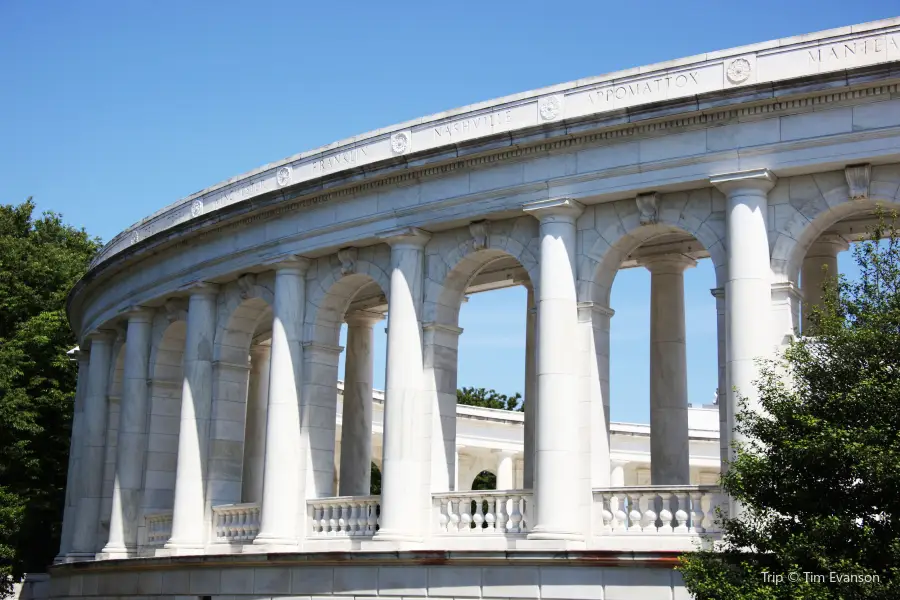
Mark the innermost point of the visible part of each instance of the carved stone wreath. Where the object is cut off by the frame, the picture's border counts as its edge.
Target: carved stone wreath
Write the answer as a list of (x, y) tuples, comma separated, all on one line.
[(549, 107), (400, 142), (283, 176), (738, 71), (196, 208)]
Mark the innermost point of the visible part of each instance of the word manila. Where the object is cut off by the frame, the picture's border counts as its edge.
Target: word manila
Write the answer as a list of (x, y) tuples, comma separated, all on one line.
[(657, 87), (865, 47)]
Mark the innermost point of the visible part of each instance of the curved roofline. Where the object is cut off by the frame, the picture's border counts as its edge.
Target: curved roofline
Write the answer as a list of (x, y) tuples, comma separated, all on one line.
[(679, 78)]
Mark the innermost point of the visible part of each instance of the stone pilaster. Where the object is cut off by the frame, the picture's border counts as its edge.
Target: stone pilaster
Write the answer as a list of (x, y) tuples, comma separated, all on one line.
[(132, 440), (356, 422), (557, 423)]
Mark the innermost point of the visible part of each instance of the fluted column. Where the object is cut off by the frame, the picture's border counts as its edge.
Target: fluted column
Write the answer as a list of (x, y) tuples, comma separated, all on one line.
[(356, 421), (530, 389), (669, 451), (748, 293), (93, 448), (557, 423), (406, 428), (73, 480), (255, 431), (820, 264), (188, 515), (132, 440), (283, 500), (505, 470)]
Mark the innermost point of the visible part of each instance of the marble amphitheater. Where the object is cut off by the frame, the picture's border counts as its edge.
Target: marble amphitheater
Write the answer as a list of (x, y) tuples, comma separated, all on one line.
[(217, 455)]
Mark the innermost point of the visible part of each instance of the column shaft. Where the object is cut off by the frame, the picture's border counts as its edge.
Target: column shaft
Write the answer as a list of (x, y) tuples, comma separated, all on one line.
[(73, 481), (255, 431), (406, 428), (283, 500), (820, 264), (188, 515), (748, 291), (356, 421), (557, 424), (669, 449), (721, 386), (530, 389), (132, 440), (84, 542), (505, 471)]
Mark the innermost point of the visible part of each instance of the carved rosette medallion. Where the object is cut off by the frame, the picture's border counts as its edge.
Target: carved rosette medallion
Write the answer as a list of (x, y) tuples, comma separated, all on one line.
[(400, 142), (196, 208), (283, 176), (135, 236), (549, 107), (738, 71)]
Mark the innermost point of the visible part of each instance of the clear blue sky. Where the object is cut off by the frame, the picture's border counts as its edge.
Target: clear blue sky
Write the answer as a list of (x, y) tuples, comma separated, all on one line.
[(111, 110)]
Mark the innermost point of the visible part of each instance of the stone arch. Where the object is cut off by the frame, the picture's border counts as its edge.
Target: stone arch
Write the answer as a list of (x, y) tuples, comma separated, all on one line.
[(332, 285), (168, 334), (618, 231), (453, 260), (484, 480), (808, 205), (244, 311)]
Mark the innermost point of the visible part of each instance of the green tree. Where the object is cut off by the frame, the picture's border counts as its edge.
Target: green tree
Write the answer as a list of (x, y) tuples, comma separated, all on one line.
[(40, 261), (489, 399), (818, 478)]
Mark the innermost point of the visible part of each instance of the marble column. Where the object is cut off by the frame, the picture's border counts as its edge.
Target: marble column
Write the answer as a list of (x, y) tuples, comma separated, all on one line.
[(93, 447), (255, 431), (283, 498), (132, 440), (557, 425), (356, 422), (73, 481), (188, 514), (406, 426), (617, 476), (724, 432), (748, 292), (820, 264), (505, 470), (669, 450), (530, 389)]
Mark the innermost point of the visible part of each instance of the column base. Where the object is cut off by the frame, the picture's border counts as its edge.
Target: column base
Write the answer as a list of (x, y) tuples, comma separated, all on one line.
[(77, 557), (544, 533), (180, 549), (113, 553), (387, 535), (274, 544)]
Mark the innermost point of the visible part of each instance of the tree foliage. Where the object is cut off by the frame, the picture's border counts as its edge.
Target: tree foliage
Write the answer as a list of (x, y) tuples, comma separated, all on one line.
[(818, 480), (489, 399), (40, 261)]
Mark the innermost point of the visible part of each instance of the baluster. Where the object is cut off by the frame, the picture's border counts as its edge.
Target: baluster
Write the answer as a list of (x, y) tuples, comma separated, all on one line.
[(489, 518), (343, 516), (478, 516), (515, 516), (323, 523), (525, 509), (359, 522), (465, 516), (665, 513), (606, 513), (453, 515), (634, 513), (681, 515), (620, 516), (315, 518), (648, 515), (334, 520), (443, 515), (502, 513)]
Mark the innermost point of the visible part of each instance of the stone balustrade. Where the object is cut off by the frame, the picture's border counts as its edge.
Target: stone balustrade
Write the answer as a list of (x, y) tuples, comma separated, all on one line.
[(346, 516), (658, 510), (483, 512), (159, 528), (235, 522)]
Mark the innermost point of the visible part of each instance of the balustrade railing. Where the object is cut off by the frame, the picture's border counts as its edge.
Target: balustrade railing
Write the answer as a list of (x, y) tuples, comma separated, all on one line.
[(483, 512), (659, 510), (159, 528), (236, 522), (348, 516)]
